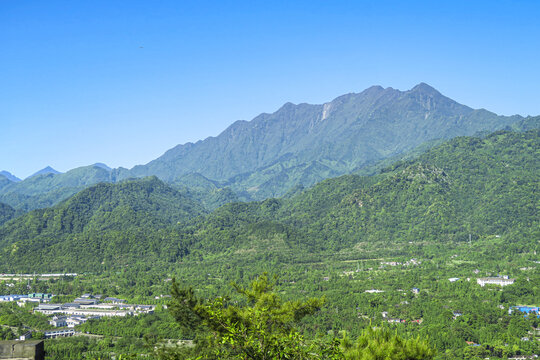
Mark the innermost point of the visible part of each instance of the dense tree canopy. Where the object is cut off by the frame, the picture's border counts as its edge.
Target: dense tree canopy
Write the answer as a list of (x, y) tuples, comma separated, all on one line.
[(263, 326)]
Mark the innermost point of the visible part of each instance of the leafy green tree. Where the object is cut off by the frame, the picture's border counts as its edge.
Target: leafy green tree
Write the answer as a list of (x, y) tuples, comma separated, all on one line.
[(263, 327), (381, 344)]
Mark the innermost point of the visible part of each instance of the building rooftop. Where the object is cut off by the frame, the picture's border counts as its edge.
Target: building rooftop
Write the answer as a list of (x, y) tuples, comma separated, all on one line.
[(72, 305), (49, 307)]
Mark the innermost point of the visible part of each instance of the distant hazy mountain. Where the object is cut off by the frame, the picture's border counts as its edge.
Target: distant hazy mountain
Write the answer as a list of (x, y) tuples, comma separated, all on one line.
[(307, 143), (45, 171), (9, 176), (4, 181), (107, 224), (526, 124), (47, 189)]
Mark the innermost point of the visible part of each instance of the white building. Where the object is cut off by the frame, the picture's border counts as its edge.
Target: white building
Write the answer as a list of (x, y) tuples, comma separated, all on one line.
[(58, 321), (59, 333), (501, 281), (26, 336), (22, 301), (85, 312), (78, 320)]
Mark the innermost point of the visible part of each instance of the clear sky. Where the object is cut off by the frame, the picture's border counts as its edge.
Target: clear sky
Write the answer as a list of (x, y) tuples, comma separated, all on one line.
[(120, 82)]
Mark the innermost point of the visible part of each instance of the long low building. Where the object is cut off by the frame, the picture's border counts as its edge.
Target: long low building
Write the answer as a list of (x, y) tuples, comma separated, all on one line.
[(494, 281), (59, 333), (8, 298), (37, 297), (83, 312), (68, 309), (70, 321)]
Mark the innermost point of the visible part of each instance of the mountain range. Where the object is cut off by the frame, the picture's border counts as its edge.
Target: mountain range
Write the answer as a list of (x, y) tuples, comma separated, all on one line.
[(347, 133), (298, 145)]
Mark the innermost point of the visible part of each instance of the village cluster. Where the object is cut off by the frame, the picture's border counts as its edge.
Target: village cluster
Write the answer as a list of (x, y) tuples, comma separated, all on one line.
[(79, 311), (501, 280)]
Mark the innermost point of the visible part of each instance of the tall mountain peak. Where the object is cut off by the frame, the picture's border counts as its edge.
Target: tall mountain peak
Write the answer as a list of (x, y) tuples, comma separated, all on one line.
[(102, 166), (347, 133), (425, 88), (374, 89)]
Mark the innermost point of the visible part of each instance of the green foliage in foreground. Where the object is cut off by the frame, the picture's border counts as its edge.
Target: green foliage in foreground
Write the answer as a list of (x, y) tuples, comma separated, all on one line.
[(374, 344), (263, 326)]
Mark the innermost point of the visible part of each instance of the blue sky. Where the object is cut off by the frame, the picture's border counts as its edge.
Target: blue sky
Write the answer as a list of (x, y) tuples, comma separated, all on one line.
[(121, 82)]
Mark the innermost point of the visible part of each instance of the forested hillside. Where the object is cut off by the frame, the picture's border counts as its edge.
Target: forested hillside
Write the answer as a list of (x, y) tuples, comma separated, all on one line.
[(473, 186), (107, 225), (465, 189), (6, 213)]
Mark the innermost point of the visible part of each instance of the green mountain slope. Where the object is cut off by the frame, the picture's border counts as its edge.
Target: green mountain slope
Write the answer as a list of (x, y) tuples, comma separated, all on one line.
[(481, 187), (348, 133), (211, 194), (106, 224), (4, 181), (45, 190), (6, 213), (9, 176), (466, 188)]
